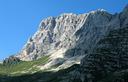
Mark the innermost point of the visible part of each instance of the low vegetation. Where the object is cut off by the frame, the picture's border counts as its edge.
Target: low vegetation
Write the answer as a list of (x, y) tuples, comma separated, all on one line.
[(43, 76), (23, 67)]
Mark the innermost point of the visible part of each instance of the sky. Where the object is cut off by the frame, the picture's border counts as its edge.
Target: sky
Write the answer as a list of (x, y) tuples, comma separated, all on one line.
[(19, 19)]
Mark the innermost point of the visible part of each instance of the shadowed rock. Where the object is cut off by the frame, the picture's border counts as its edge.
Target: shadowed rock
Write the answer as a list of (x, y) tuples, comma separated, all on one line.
[(11, 60)]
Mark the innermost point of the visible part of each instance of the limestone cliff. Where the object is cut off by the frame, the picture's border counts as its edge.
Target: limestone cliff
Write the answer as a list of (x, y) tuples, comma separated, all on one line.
[(68, 37)]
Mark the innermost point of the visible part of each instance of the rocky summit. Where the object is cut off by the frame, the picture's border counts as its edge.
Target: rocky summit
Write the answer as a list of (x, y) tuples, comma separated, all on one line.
[(90, 47)]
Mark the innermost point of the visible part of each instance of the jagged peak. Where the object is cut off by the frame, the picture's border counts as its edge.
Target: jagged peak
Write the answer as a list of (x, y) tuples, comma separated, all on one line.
[(72, 14), (98, 10), (45, 21), (49, 20), (67, 14)]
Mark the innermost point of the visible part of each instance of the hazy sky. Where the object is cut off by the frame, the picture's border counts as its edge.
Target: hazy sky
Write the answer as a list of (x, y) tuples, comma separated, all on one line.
[(19, 19)]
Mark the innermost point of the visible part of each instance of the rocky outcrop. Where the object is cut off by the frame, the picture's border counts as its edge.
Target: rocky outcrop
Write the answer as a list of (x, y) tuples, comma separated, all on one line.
[(11, 60)]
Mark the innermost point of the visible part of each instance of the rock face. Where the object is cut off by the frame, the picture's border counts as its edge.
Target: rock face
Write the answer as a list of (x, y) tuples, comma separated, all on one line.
[(108, 62), (69, 37), (110, 55), (96, 42)]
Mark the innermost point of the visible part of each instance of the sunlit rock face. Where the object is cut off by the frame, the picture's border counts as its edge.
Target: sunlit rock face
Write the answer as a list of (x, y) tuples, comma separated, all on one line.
[(69, 37), (53, 34)]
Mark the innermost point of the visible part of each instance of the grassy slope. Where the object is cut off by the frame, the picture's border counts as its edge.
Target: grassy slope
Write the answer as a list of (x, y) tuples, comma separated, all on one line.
[(22, 67), (43, 76)]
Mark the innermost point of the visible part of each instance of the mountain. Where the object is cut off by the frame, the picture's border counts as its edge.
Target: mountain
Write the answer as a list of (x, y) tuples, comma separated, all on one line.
[(90, 47), (67, 38)]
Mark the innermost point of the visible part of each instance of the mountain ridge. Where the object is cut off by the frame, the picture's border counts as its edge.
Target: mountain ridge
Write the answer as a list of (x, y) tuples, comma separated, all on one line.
[(79, 48), (58, 37)]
